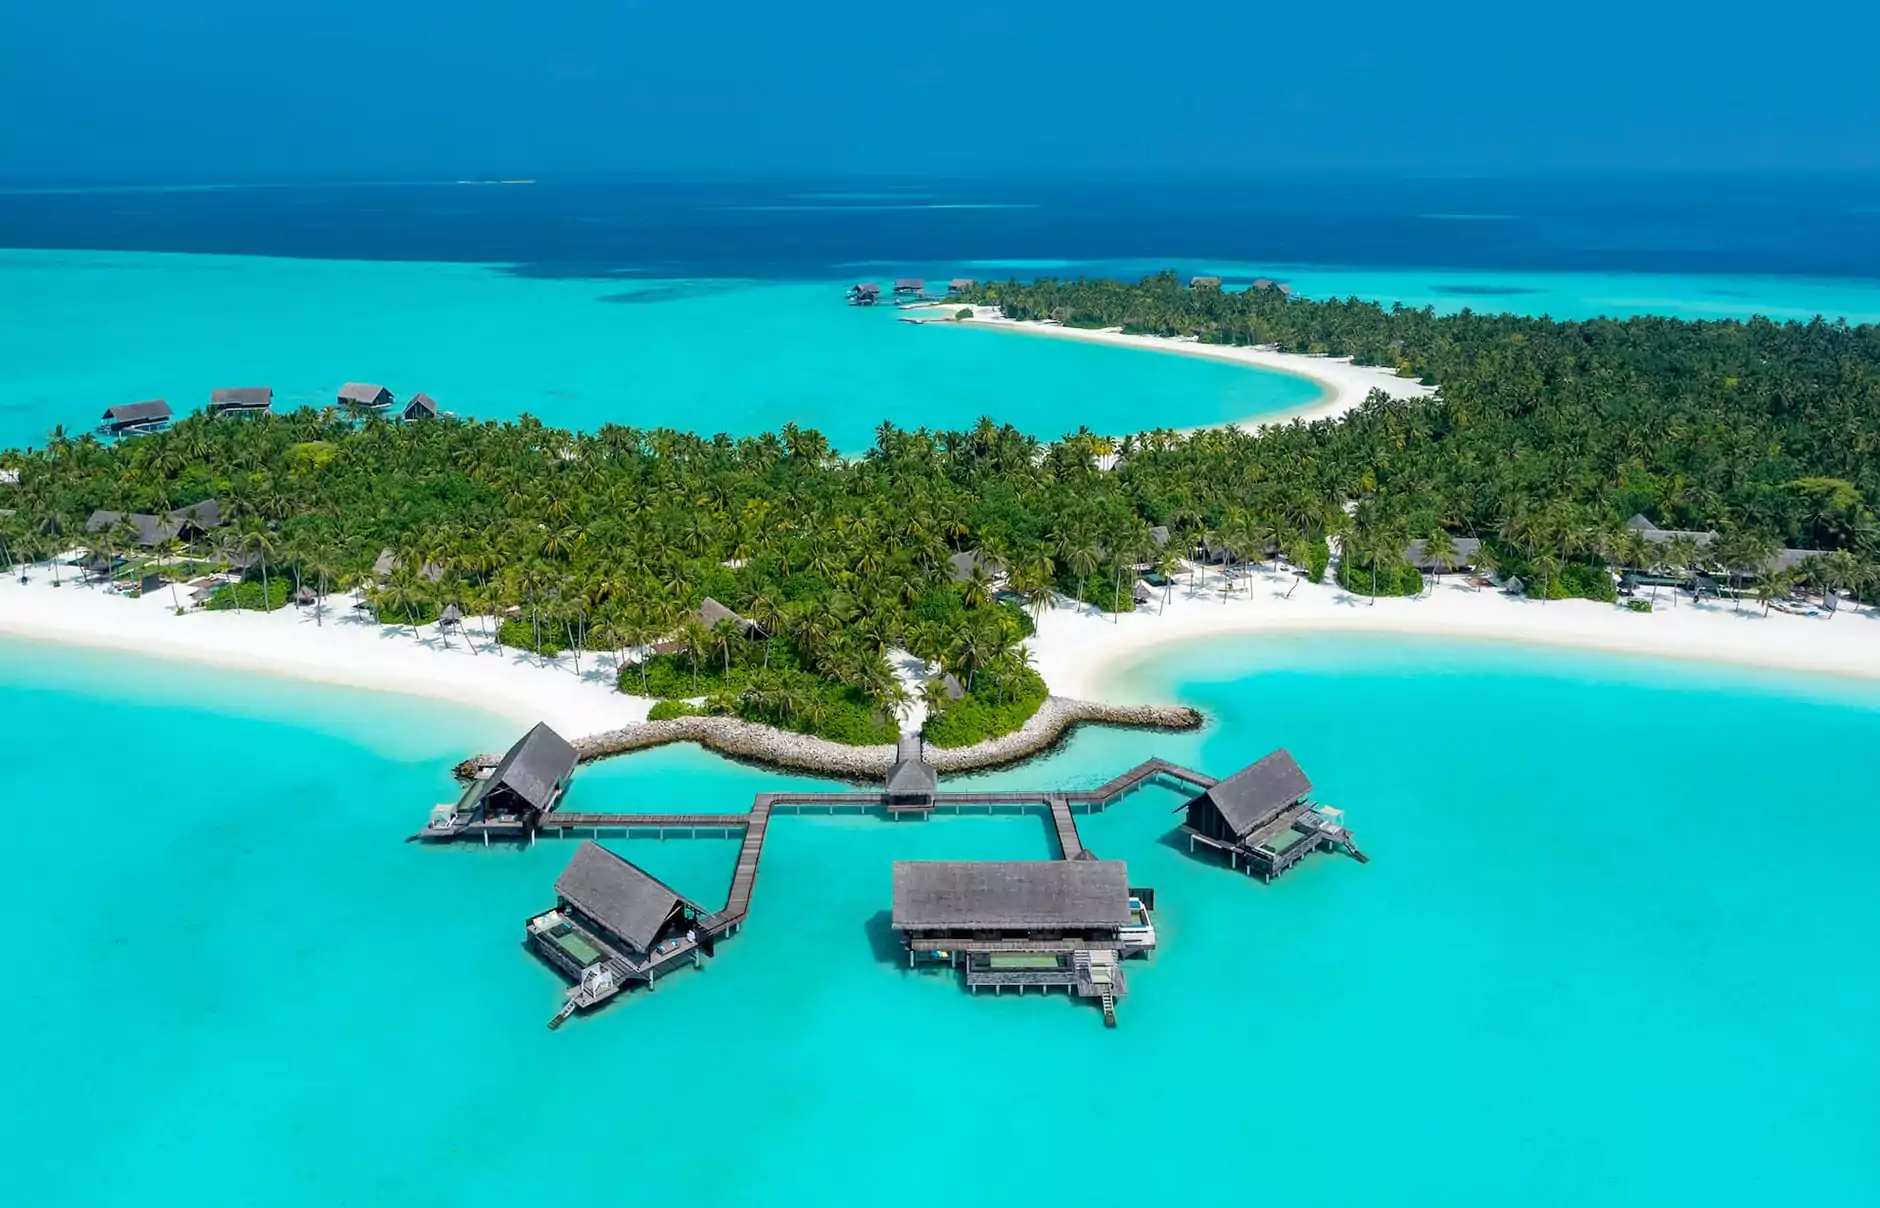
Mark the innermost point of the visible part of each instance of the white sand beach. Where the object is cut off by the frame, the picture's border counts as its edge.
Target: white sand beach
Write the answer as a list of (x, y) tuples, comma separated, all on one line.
[(1344, 384), (1081, 652), (348, 648)]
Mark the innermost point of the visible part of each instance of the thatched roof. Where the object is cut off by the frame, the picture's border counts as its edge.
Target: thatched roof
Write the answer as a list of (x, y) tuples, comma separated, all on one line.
[(960, 285), (1466, 549), (1658, 536), (241, 398), (616, 894), (1204, 283), (950, 684), (153, 411), (1142, 593), (152, 530), (1259, 792), (421, 405), (365, 394), (1159, 535), (532, 768), (452, 615), (387, 562), (908, 284), (966, 561), (939, 895), (710, 612)]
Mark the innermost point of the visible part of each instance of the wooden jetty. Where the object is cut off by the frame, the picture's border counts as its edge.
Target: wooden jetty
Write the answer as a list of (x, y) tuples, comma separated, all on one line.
[(1080, 923)]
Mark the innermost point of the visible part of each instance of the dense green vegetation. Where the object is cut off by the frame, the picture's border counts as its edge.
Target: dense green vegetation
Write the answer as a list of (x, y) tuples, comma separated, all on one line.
[(1545, 437), (250, 596), (994, 705), (1546, 434)]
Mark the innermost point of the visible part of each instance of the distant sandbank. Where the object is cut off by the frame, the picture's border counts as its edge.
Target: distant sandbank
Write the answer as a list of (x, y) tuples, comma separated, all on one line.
[(1343, 385)]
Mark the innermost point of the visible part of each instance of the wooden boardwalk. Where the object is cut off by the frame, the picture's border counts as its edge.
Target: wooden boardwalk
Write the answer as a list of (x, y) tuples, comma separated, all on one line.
[(1070, 843), (755, 825)]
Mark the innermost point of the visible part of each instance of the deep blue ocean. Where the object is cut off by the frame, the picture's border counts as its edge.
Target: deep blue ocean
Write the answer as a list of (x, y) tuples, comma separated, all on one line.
[(1790, 224)]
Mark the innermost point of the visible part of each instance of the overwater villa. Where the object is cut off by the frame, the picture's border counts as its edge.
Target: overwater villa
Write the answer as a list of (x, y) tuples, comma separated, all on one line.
[(1204, 283), (1262, 817), (509, 798), (134, 419), (908, 285), (960, 285), (232, 401), (1025, 924), (364, 396), (421, 406), (614, 926), (864, 293)]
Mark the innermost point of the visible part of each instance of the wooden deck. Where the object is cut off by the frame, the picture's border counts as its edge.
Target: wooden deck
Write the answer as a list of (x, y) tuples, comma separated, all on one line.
[(1062, 808), (1070, 843)]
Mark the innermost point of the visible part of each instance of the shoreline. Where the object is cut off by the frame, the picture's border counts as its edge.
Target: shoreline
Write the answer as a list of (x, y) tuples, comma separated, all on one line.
[(1086, 654), (1342, 384)]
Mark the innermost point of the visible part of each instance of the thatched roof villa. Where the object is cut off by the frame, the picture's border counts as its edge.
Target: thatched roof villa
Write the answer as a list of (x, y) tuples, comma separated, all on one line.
[(128, 419), (364, 396), (613, 924), (420, 406), (240, 400), (1262, 816)]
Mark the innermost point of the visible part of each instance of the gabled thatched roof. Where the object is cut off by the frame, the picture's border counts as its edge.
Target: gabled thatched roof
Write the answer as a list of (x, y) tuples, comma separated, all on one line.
[(149, 412), (240, 398), (1259, 792), (422, 404), (1466, 549), (365, 394), (618, 895), (532, 768), (939, 895), (966, 561)]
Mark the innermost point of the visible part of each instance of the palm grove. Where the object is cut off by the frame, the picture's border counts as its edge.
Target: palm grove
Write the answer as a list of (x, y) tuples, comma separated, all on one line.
[(1543, 438)]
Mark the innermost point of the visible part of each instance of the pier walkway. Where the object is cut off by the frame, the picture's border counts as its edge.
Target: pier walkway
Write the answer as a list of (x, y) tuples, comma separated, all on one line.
[(1062, 808)]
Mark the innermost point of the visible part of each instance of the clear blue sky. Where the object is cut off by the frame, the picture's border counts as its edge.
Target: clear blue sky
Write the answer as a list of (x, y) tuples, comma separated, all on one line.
[(132, 89)]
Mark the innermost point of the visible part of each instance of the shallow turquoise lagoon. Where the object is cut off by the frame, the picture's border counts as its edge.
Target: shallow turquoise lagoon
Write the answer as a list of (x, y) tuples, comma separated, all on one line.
[(80, 331), (1611, 948)]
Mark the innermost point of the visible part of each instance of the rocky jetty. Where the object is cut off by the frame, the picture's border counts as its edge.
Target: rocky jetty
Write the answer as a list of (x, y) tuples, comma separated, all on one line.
[(767, 745)]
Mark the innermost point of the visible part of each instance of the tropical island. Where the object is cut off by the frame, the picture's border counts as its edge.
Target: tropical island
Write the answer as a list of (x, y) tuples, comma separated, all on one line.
[(771, 580)]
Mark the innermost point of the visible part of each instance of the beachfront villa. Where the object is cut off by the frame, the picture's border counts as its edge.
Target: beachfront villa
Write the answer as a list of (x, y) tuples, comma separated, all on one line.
[(240, 401), (510, 797), (968, 562), (1025, 924), (1466, 551), (1785, 559), (133, 419), (613, 926), (184, 524), (1262, 817)]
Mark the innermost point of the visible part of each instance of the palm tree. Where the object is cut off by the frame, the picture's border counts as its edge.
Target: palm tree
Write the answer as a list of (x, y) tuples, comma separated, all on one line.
[(257, 540), (1439, 548)]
